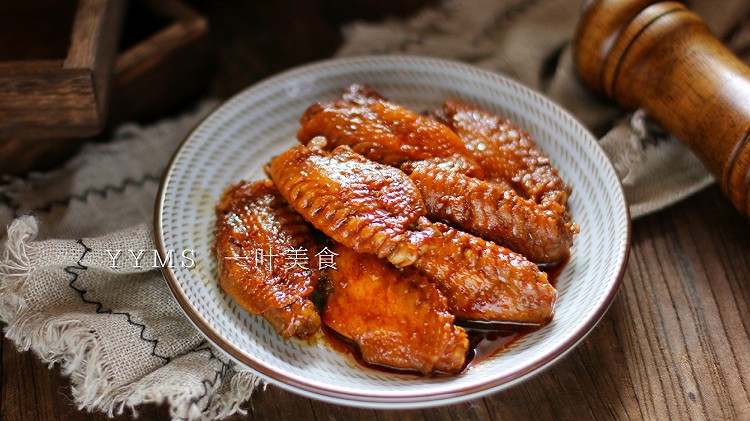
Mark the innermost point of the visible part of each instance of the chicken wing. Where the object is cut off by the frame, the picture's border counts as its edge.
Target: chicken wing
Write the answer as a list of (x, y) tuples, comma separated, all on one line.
[(543, 232), (483, 281), (458, 164), (378, 129), (256, 232), (505, 152), (395, 316), (364, 205)]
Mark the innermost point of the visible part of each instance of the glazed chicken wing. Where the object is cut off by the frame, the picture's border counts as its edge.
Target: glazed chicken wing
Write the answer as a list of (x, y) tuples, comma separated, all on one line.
[(378, 129), (395, 316), (364, 205), (543, 232), (483, 281), (256, 230), (505, 152), (458, 164)]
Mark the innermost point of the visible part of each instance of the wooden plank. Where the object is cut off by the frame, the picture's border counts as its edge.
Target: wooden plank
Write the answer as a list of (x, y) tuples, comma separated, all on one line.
[(96, 30), (35, 96), (68, 97), (152, 76), (31, 391)]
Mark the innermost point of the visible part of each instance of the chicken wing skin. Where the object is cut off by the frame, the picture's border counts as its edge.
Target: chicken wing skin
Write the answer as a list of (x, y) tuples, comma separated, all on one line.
[(543, 232), (395, 316), (364, 205), (458, 164), (483, 281), (505, 152), (255, 230), (378, 129)]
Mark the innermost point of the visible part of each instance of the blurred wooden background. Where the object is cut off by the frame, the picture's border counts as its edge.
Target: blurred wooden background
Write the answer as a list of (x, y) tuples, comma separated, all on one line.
[(168, 56)]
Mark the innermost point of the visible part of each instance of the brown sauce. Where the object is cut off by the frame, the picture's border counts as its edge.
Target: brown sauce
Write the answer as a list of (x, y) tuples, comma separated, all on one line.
[(483, 344), (554, 270), (486, 343), (486, 339)]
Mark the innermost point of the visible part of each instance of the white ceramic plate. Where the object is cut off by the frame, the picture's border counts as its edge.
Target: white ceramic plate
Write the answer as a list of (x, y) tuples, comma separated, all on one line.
[(237, 139)]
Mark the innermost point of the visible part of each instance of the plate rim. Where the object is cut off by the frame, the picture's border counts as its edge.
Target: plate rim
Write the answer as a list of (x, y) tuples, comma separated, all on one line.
[(380, 399)]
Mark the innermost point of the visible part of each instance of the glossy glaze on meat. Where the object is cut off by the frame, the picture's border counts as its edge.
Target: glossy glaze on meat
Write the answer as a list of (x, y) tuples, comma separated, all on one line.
[(522, 208), (423, 216), (458, 164), (487, 282), (370, 207), (378, 129), (395, 316), (253, 218), (542, 232), (505, 152)]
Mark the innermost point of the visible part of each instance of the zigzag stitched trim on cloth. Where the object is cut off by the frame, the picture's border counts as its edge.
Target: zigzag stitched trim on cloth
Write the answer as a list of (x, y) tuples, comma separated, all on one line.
[(218, 375), (100, 307), (83, 197), (99, 191)]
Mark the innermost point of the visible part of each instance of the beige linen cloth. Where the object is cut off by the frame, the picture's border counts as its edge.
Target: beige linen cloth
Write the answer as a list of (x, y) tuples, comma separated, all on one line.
[(119, 334)]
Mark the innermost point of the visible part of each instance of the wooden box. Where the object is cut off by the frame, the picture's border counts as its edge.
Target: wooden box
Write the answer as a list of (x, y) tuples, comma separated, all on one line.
[(163, 60), (56, 63)]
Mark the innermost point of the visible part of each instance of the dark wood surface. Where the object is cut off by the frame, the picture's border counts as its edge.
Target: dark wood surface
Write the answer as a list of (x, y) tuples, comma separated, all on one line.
[(674, 344)]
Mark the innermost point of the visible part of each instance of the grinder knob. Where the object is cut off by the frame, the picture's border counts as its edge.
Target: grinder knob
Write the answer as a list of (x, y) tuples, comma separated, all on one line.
[(661, 57)]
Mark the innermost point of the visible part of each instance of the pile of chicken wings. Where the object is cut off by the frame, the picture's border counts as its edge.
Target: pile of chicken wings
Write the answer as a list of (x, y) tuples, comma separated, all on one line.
[(424, 220)]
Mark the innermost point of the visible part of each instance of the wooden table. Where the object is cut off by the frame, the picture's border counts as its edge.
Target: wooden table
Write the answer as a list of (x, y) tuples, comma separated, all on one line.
[(674, 344)]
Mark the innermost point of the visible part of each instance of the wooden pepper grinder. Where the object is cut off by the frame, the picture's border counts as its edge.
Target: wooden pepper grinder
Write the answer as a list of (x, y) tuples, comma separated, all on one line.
[(659, 56)]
